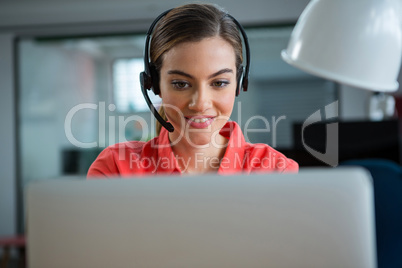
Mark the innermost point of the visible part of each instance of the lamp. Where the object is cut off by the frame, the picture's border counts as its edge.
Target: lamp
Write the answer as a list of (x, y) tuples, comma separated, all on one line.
[(353, 42)]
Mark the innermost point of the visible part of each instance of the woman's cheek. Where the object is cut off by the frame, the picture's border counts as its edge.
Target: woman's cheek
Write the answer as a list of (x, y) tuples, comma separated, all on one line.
[(173, 110)]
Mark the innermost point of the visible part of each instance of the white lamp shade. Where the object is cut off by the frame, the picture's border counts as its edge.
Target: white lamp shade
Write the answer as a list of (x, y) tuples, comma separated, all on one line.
[(353, 42)]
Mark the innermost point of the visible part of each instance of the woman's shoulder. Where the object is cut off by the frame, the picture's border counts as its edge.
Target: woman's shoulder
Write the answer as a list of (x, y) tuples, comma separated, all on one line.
[(116, 158), (128, 145), (263, 156)]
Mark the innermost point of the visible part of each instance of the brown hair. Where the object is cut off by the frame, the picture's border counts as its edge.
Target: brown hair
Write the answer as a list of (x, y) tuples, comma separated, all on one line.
[(192, 23)]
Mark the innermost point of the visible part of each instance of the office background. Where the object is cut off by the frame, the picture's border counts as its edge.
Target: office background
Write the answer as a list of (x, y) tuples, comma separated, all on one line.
[(22, 21)]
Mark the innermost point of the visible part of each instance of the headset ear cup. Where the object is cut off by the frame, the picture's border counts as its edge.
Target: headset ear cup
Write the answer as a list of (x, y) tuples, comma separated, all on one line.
[(154, 79), (245, 82), (145, 80), (239, 80)]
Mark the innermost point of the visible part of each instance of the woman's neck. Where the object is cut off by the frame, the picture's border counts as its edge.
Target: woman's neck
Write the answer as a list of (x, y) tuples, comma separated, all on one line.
[(199, 159)]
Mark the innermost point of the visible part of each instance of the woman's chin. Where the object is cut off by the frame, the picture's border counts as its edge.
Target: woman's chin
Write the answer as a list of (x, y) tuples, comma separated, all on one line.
[(208, 137), (204, 140), (198, 141)]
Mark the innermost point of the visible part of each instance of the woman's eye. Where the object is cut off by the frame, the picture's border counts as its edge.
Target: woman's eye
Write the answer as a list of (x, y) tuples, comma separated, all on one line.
[(180, 84), (220, 83)]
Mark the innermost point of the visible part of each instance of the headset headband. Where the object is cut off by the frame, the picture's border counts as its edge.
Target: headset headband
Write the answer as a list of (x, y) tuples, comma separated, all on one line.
[(147, 41)]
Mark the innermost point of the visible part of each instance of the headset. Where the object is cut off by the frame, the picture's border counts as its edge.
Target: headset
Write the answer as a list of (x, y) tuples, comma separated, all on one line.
[(149, 78)]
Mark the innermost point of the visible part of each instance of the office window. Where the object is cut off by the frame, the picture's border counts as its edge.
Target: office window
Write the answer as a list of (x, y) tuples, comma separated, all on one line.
[(126, 86)]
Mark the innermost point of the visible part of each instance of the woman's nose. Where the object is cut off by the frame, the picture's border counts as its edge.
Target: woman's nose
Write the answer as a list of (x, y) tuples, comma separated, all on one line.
[(201, 100)]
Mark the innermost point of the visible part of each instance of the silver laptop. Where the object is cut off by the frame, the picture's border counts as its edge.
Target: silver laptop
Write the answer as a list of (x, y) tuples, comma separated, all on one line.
[(317, 218)]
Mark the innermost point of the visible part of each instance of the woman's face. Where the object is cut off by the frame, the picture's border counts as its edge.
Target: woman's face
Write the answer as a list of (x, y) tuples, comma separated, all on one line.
[(198, 87)]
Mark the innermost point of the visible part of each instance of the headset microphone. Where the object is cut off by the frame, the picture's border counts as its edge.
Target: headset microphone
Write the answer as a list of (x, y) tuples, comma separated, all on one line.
[(165, 124), (149, 79)]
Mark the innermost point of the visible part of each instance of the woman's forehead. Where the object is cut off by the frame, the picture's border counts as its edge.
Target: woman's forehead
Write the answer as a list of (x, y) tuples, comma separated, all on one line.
[(214, 50)]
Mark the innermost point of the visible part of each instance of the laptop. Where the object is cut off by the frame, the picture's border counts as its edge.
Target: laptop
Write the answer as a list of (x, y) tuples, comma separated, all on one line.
[(316, 218)]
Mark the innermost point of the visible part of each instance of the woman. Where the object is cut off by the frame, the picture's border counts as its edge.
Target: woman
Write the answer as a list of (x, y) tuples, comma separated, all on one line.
[(196, 51)]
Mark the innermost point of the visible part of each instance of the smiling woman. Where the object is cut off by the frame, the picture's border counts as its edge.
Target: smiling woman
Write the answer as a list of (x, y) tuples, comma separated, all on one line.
[(202, 94), (196, 68)]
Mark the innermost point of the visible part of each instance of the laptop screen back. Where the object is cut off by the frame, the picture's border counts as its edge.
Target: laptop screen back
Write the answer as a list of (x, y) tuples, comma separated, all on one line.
[(317, 218)]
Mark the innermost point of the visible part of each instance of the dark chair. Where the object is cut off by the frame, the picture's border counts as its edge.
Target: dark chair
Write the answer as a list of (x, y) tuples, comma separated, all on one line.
[(387, 182)]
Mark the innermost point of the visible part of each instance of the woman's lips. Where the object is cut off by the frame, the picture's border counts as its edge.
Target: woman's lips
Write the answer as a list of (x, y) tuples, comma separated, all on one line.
[(199, 121)]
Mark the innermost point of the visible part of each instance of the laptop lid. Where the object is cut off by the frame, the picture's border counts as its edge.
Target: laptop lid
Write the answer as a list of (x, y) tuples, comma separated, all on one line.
[(317, 218)]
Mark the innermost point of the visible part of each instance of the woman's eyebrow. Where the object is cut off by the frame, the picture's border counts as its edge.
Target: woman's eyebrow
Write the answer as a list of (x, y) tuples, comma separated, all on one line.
[(180, 73), (226, 70)]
